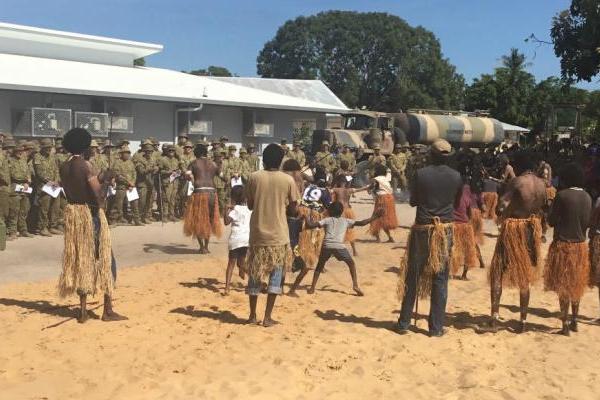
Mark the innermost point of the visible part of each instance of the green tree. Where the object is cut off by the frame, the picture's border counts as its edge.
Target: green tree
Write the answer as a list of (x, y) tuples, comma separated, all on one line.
[(211, 71), (576, 36), (375, 60)]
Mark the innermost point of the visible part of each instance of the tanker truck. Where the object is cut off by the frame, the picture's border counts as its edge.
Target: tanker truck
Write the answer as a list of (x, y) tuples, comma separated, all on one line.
[(362, 129)]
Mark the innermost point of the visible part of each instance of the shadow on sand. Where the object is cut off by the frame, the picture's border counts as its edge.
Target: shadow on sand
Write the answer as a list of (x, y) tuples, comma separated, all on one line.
[(171, 249), (214, 313)]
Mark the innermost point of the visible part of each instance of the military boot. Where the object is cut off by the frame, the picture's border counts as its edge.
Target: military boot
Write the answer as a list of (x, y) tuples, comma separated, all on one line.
[(44, 232)]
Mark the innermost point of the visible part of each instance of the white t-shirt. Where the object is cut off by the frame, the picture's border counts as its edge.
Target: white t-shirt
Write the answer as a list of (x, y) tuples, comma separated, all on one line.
[(384, 186), (240, 227)]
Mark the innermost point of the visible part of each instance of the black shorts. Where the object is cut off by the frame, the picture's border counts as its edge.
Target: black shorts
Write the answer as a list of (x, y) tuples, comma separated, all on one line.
[(339, 254), (240, 252)]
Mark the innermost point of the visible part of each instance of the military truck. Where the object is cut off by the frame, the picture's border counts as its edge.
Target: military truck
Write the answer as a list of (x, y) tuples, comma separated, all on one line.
[(362, 129)]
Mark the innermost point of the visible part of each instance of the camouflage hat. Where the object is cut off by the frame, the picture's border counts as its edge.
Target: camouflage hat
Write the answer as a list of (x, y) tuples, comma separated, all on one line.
[(405, 145), (9, 144), (21, 142), (223, 139), (147, 146), (441, 147), (243, 150), (376, 146), (169, 147), (153, 140), (183, 134), (231, 147), (251, 146), (325, 143), (19, 148), (93, 143), (296, 143), (124, 149), (222, 151), (30, 145), (46, 143), (123, 142), (397, 146)]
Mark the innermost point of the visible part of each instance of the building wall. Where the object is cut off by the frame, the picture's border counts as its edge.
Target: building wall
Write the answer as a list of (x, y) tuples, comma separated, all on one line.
[(157, 119)]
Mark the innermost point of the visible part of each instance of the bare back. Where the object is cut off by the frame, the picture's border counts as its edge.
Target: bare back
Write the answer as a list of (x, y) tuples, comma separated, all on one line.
[(343, 196), (525, 196), (204, 172)]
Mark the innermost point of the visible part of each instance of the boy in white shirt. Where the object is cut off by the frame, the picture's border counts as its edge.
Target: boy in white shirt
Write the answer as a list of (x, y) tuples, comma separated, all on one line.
[(238, 216)]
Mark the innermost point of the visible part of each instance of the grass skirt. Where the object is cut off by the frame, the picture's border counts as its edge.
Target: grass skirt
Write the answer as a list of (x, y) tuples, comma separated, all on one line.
[(490, 200), (567, 269), (310, 241), (86, 261), (428, 250), (517, 257), (464, 252), (595, 261), (262, 260), (389, 220), (350, 236), (476, 221), (197, 218)]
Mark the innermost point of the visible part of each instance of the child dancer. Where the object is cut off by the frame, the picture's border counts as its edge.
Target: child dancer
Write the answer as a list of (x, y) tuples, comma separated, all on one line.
[(238, 216), (333, 244), (385, 201), (342, 192)]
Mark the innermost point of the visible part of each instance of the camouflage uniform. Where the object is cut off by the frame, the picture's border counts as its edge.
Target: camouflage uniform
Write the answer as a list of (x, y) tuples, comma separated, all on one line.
[(184, 162), (19, 206), (61, 157), (146, 170), (46, 170), (166, 166), (253, 161), (4, 192), (373, 161), (246, 169), (125, 179), (416, 160), (98, 161), (326, 160), (297, 155), (397, 164), (349, 157)]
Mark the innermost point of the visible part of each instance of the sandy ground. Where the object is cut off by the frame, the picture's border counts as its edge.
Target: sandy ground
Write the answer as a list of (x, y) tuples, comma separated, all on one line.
[(185, 340)]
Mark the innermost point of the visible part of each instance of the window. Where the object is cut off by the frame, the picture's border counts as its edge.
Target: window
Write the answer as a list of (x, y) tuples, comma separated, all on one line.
[(263, 129)]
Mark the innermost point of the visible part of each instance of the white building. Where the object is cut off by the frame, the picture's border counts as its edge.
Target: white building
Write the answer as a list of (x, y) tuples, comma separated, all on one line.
[(51, 81)]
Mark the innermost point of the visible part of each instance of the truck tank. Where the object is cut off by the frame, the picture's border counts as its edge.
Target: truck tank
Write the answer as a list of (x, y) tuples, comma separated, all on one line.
[(426, 128)]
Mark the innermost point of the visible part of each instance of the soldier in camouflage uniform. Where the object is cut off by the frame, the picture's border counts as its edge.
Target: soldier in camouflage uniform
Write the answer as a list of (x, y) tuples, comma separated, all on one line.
[(4, 188), (125, 177), (297, 154), (61, 157), (18, 201), (98, 161), (245, 164), (234, 167), (347, 155), (325, 159), (253, 160), (146, 169), (221, 183), (416, 160), (397, 164), (168, 166), (184, 161), (375, 159), (182, 139), (46, 173)]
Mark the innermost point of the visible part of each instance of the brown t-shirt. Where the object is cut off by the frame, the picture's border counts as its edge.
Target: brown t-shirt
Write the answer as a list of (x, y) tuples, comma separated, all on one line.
[(74, 176), (268, 194)]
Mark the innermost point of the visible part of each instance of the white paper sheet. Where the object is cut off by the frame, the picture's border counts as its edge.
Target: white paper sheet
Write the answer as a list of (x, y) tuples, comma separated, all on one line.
[(21, 189), (132, 194), (174, 176), (236, 181), (190, 188), (111, 191), (53, 191), (348, 178)]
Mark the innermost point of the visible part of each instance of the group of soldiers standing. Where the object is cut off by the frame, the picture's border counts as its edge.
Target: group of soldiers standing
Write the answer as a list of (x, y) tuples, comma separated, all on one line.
[(156, 173)]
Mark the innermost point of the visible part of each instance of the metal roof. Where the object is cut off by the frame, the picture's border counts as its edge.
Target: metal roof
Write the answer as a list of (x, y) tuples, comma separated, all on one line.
[(48, 43), (312, 90), (38, 74)]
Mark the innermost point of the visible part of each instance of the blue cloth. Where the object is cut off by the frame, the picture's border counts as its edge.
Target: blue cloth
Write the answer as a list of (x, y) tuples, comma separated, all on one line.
[(418, 255), (274, 286)]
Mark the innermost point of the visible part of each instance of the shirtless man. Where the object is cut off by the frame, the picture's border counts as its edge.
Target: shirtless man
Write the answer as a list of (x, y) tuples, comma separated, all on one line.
[(517, 253), (202, 212), (88, 252)]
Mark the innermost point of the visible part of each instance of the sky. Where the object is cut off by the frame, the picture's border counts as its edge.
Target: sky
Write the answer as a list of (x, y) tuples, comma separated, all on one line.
[(474, 34)]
